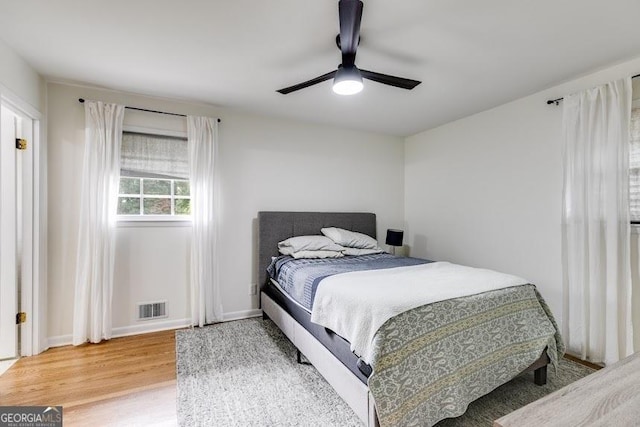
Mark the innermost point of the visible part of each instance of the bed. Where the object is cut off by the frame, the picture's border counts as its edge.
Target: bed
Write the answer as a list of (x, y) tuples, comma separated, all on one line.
[(331, 354)]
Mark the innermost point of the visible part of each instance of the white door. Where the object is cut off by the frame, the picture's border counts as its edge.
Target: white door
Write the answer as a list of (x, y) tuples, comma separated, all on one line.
[(9, 226)]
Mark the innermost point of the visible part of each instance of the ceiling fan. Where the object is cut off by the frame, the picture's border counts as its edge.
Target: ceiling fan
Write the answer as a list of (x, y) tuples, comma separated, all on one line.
[(347, 79)]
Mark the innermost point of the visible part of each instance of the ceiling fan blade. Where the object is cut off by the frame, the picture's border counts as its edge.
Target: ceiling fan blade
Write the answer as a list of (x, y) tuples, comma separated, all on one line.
[(350, 12), (389, 80), (308, 83)]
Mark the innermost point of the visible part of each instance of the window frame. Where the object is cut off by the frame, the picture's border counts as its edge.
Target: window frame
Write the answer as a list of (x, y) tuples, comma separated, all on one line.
[(135, 220)]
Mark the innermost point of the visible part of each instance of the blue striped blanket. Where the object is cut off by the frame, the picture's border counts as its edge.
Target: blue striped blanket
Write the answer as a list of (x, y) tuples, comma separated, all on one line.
[(300, 277)]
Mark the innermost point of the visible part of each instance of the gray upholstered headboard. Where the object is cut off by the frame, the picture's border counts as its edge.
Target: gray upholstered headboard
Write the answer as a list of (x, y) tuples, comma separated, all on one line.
[(274, 227)]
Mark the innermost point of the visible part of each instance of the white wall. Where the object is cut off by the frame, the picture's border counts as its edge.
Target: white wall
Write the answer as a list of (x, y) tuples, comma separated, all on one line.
[(270, 164), (486, 190), (266, 164), (18, 77), (152, 264)]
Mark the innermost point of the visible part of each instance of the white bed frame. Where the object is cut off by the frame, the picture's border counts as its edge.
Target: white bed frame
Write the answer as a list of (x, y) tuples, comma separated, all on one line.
[(343, 381), (274, 227)]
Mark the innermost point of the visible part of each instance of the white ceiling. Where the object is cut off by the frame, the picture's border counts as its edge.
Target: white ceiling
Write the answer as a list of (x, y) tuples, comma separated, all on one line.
[(470, 55)]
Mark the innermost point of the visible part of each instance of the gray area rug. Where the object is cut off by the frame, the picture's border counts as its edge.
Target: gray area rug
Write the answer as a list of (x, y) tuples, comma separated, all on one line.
[(244, 373)]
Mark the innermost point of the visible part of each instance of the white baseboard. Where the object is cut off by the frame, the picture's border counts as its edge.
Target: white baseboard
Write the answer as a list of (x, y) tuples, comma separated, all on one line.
[(59, 341), (244, 314), (123, 331)]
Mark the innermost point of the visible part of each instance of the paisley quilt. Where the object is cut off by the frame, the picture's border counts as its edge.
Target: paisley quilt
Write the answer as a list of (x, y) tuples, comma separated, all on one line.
[(430, 362)]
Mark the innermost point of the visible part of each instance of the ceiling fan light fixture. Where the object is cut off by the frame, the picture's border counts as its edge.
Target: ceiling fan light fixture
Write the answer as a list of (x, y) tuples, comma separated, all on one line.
[(348, 81)]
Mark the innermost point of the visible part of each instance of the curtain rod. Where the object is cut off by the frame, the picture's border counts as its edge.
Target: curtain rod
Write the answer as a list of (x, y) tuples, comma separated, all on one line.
[(557, 100), (81, 100)]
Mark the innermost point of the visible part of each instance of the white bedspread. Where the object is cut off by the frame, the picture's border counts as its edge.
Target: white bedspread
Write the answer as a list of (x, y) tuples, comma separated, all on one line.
[(355, 305)]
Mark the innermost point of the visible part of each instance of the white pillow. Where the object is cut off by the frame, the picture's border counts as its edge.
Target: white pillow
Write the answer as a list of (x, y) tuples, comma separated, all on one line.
[(316, 254), (357, 252), (350, 239), (308, 243)]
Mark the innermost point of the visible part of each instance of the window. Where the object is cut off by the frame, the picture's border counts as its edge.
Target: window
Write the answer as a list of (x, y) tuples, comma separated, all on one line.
[(634, 167), (154, 176), (150, 196)]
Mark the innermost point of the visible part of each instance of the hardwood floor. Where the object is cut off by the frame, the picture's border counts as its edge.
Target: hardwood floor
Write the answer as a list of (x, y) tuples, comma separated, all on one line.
[(124, 381), (583, 362)]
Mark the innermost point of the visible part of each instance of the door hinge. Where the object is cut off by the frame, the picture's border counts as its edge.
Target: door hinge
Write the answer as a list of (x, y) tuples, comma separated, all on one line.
[(21, 317), (21, 144)]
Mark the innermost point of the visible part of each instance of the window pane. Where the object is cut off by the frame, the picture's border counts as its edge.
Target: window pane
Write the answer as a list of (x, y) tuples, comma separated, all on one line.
[(634, 194), (157, 186), (128, 206), (157, 206), (129, 186), (181, 188), (183, 207), (634, 166)]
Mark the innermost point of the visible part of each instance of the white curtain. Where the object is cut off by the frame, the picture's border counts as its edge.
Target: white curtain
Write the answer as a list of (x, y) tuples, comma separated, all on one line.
[(205, 290), (96, 237), (595, 226)]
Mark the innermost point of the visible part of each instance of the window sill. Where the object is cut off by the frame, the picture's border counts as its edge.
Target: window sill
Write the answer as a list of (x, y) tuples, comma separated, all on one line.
[(153, 221)]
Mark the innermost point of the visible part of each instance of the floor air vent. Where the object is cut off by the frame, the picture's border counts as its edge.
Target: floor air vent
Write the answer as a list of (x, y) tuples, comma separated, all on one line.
[(152, 310)]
